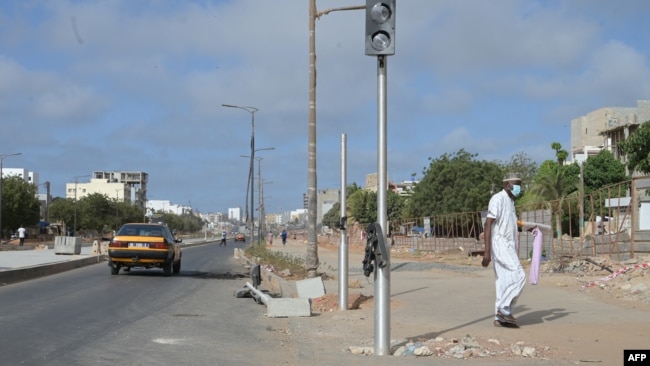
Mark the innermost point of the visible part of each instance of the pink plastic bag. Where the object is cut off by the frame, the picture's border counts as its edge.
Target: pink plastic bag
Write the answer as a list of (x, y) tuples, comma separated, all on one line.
[(537, 255)]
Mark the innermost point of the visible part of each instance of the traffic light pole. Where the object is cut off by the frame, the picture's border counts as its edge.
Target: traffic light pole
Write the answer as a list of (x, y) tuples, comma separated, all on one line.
[(380, 42), (382, 279)]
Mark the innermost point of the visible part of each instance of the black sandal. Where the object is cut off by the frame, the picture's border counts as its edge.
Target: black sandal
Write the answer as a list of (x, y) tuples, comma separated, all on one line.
[(498, 323), (506, 318)]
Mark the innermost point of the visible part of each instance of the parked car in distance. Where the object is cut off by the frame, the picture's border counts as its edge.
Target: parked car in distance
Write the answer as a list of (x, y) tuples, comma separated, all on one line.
[(140, 245), (240, 237)]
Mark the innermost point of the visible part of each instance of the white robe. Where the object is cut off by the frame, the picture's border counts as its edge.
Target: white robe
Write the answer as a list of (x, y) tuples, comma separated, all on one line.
[(510, 276)]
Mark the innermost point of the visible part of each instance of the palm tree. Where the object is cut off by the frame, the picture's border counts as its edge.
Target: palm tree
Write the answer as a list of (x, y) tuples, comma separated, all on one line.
[(553, 185), (560, 153)]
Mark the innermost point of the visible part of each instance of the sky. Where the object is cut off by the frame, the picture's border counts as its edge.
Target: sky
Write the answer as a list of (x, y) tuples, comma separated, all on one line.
[(138, 85)]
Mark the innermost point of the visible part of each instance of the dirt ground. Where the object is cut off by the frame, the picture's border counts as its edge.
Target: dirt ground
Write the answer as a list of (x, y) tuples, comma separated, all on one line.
[(623, 284)]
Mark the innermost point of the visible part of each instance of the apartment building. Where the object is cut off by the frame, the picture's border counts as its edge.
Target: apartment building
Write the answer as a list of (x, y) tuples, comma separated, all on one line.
[(605, 128)]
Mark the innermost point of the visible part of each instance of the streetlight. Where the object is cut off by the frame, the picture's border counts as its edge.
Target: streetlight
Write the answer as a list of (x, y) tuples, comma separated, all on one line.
[(76, 180), (2, 157), (252, 111), (311, 260), (252, 189)]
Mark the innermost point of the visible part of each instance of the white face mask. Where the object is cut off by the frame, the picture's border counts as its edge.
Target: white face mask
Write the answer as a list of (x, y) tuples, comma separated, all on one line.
[(516, 190)]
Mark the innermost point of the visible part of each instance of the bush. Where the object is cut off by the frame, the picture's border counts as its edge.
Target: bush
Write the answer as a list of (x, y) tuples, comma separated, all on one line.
[(279, 261)]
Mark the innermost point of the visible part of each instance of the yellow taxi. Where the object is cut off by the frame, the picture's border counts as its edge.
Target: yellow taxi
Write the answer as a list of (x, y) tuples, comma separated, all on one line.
[(140, 245)]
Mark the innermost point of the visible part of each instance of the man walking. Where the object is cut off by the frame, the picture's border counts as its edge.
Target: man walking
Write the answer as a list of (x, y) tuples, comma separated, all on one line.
[(223, 238), (284, 237), (501, 243), (21, 235)]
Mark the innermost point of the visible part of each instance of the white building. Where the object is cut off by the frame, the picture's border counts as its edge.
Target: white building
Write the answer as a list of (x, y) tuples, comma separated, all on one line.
[(166, 206), (29, 177), (116, 190), (234, 213)]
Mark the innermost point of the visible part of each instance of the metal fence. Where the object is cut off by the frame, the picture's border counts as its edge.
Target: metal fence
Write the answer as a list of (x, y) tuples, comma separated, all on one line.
[(600, 223)]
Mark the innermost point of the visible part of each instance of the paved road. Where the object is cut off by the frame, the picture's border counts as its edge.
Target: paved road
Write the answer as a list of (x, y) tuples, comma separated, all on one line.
[(88, 316)]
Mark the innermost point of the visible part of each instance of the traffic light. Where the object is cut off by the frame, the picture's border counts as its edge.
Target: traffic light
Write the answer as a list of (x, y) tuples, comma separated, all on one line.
[(380, 27)]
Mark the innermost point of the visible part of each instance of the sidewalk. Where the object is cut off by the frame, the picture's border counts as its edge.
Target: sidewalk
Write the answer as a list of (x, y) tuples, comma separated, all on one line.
[(443, 305)]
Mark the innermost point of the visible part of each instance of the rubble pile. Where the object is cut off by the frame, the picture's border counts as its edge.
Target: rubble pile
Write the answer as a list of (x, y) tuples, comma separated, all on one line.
[(466, 347), (627, 280)]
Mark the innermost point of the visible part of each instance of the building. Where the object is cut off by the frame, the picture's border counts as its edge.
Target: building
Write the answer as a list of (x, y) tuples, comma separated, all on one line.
[(234, 213), (404, 188), (325, 200), (29, 177), (605, 128), (113, 190), (125, 186), (165, 206)]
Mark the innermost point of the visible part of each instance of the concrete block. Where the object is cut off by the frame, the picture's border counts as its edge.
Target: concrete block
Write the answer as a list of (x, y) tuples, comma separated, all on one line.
[(67, 245), (310, 288), (285, 307)]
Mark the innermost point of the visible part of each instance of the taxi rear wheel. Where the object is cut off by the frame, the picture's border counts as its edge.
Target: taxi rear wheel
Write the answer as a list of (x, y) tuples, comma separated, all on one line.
[(177, 266), (115, 269), (167, 268)]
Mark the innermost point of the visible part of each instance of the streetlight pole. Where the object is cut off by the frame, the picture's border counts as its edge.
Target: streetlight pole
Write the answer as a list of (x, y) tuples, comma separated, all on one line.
[(76, 181), (252, 111), (311, 261), (2, 157), (252, 193)]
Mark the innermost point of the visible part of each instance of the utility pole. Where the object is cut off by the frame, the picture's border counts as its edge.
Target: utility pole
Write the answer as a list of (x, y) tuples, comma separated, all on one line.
[(311, 260)]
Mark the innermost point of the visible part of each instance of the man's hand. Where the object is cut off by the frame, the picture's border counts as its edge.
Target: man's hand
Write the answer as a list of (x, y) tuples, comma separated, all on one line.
[(487, 258)]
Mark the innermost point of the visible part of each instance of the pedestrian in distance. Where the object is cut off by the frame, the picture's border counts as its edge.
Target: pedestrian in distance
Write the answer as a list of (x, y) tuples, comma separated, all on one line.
[(223, 238), (501, 244), (21, 235), (269, 238), (284, 237)]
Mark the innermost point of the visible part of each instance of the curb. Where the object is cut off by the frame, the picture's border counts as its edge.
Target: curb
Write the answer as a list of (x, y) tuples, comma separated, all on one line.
[(16, 275), (28, 273)]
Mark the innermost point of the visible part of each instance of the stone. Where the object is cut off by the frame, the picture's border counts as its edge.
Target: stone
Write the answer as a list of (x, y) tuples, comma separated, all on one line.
[(364, 351), (422, 351), (529, 352)]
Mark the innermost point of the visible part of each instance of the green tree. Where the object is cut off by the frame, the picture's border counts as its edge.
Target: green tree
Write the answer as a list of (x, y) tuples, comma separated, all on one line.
[(454, 183), (20, 205), (395, 205), (560, 153), (362, 206), (637, 148), (521, 163), (602, 170), (94, 212), (553, 184), (61, 210), (333, 217)]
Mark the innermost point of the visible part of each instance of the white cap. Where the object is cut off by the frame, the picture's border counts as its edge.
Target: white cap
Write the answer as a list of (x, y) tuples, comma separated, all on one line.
[(511, 177)]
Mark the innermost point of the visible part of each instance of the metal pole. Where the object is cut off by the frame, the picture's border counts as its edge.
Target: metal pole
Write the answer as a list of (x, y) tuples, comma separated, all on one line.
[(582, 201), (382, 283), (343, 248), (2, 157), (252, 169), (259, 199)]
